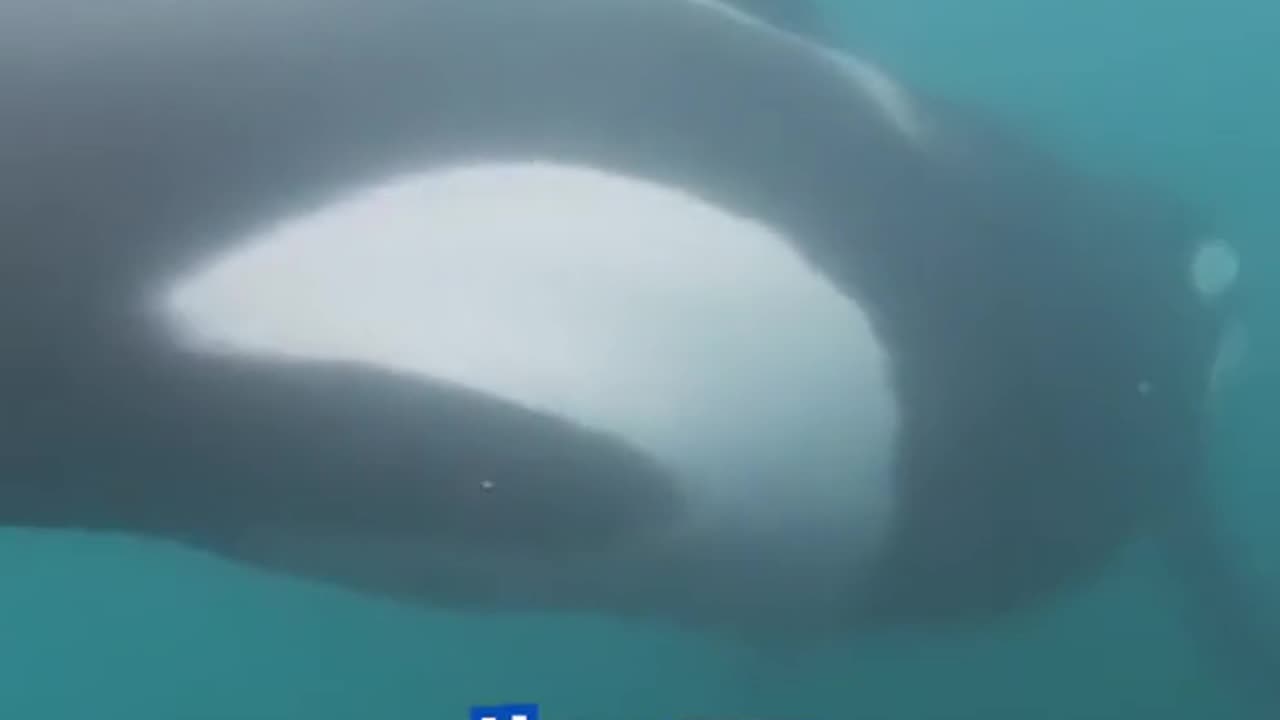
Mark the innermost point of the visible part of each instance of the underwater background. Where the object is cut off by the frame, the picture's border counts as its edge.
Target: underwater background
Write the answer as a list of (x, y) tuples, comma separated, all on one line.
[(1186, 92)]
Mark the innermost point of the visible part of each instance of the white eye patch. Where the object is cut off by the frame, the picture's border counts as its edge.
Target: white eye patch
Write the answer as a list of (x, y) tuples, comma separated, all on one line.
[(698, 336)]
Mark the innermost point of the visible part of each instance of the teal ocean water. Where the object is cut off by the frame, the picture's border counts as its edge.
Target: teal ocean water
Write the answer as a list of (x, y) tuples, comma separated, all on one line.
[(1180, 90)]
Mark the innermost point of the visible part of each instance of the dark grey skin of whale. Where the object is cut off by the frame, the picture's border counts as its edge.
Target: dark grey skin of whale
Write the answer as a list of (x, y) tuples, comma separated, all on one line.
[(1231, 613), (1023, 305)]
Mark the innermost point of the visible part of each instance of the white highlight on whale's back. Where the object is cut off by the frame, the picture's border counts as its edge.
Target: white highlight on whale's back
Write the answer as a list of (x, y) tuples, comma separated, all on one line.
[(892, 101)]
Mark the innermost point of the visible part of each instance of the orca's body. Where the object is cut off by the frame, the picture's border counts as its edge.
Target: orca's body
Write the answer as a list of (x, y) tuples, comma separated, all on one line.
[(642, 307)]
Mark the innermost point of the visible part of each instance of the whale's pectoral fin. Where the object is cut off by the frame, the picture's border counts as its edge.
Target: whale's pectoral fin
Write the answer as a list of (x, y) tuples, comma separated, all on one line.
[(220, 451)]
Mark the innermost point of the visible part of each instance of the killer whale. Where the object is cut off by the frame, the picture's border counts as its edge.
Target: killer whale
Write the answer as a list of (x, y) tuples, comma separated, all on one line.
[(1007, 356)]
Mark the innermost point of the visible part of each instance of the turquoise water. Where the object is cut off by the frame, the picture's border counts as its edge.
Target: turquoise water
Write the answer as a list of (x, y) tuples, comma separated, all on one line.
[(1181, 90)]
